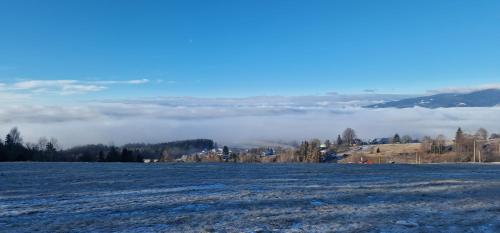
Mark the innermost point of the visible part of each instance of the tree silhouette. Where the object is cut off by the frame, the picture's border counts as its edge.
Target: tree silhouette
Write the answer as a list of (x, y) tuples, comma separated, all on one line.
[(127, 156), (339, 140), (113, 155), (348, 136), (14, 137), (482, 134), (2, 152), (396, 139), (139, 158), (101, 158)]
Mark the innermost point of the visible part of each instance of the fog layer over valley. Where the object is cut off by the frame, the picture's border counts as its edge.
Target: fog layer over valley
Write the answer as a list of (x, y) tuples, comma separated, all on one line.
[(235, 121)]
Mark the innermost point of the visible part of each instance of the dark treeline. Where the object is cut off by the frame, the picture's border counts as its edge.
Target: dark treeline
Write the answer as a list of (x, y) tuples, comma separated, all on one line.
[(14, 149), (176, 148), (101, 153)]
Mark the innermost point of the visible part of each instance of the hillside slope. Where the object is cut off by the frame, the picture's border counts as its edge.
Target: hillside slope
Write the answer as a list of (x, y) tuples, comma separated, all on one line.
[(483, 98)]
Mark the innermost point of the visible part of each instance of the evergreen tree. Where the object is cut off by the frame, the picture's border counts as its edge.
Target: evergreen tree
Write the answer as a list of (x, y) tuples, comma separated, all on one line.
[(339, 140), (14, 137), (86, 157), (8, 140), (459, 139), (139, 158), (459, 134), (127, 156), (113, 155), (225, 150), (396, 139), (101, 157), (14, 149), (2, 152), (50, 152)]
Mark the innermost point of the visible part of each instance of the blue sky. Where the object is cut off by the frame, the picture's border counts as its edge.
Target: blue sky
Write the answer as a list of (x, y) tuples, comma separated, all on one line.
[(241, 71), (251, 48)]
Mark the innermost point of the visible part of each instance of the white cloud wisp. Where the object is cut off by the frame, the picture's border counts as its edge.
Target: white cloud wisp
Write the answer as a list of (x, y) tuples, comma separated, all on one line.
[(66, 87)]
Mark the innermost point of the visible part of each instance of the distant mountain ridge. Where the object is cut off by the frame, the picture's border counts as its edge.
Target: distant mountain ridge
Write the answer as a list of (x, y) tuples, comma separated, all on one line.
[(482, 98)]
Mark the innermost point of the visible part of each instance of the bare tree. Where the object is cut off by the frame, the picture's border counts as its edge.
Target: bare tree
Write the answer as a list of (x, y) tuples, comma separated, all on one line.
[(14, 137), (166, 156), (440, 143), (406, 139), (55, 143), (42, 143), (348, 136), (482, 134), (426, 145)]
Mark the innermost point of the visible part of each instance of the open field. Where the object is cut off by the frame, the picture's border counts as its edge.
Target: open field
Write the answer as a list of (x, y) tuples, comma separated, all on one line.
[(400, 153), (405, 153), (113, 197)]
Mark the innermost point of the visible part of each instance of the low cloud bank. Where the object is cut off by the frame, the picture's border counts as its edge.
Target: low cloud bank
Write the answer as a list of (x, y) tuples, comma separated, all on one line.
[(236, 120)]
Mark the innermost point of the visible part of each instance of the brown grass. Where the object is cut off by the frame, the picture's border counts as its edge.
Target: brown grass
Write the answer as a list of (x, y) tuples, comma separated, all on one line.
[(399, 153)]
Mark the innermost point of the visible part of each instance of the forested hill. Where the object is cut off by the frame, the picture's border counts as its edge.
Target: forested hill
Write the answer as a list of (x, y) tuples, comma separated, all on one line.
[(176, 148), (15, 150)]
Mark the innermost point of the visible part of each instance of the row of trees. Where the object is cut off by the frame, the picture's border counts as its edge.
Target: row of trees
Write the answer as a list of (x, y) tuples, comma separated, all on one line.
[(48, 150), (479, 146), (405, 139), (435, 145), (470, 147), (13, 149), (112, 155)]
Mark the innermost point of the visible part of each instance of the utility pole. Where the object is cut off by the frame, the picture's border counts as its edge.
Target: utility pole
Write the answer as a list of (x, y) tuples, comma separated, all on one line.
[(474, 150)]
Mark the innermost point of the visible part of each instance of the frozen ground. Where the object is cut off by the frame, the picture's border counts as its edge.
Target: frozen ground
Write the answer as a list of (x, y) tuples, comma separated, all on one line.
[(81, 197)]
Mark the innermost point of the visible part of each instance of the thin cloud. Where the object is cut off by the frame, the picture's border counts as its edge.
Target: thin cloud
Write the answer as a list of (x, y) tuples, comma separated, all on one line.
[(63, 87), (370, 90), (36, 84), (136, 81), (68, 87)]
